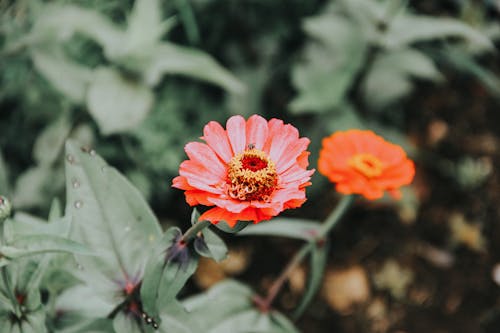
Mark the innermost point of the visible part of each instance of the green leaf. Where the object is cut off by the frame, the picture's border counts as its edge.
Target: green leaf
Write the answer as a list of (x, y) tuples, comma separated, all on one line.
[(330, 63), (38, 244), (235, 311), (240, 225), (110, 217), (4, 180), (67, 77), (393, 70), (23, 224), (175, 319), (145, 26), (285, 227), (50, 142), (168, 58), (319, 256), (210, 245), (31, 185), (407, 29), (117, 104), (163, 279), (77, 20)]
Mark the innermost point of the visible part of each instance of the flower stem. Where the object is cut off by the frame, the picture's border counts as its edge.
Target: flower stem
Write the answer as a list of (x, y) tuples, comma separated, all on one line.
[(335, 215), (330, 222), (194, 230)]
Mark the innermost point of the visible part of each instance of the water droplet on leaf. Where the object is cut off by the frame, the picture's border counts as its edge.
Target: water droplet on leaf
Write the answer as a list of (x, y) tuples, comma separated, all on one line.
[(75, 183), (78, 204)]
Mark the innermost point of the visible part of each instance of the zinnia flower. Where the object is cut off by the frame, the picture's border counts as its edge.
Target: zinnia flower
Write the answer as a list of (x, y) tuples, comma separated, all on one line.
[(251, 171), (364, 163)]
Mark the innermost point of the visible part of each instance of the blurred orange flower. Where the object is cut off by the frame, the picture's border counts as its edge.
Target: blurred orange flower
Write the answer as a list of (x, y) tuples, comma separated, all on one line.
[(251, 171), (362, 162)]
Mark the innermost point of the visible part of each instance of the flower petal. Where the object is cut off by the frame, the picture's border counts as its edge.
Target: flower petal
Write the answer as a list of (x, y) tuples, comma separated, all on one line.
[(216, 137), (204, 155), (257, 131), (236, 132)]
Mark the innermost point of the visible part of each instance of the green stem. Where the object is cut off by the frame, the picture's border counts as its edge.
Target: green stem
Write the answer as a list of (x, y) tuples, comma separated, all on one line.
[(330, 222), (194, 230), (334, 217)]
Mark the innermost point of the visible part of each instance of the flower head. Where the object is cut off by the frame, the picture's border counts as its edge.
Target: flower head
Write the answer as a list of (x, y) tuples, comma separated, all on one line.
[(362, 162), (250, 171)]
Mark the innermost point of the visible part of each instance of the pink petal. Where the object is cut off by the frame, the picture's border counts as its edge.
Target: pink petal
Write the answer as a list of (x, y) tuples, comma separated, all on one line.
[(282, 141), (216, 137), (256, 131), (198, 177), (291, 153), (203, 154), (236, 133), (231, 205)]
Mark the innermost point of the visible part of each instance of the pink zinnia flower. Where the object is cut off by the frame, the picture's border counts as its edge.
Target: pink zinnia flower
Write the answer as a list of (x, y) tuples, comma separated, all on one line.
[(251, 171)]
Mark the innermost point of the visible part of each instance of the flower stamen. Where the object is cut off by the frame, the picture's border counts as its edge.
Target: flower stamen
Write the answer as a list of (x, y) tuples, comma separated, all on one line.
[(367, 164), (251, 176)]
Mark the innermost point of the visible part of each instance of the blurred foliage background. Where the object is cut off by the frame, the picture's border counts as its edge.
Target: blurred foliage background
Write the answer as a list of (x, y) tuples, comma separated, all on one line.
[(138, 80)]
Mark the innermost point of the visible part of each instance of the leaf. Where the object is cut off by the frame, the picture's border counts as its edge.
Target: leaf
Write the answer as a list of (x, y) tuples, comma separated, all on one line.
[(285, 227), (163, 279), (168, 58), (145, 26), (210, 245), (117, 104), (235, 311), (38, 244), (408, 29), (73, 19), (67, 77), (466, 63), (49, 143), (240, 225), (175, 319), (319, 256), (23, 224), (30, 187), (110, 217), (391, 74), (330, 63), (4, 180)]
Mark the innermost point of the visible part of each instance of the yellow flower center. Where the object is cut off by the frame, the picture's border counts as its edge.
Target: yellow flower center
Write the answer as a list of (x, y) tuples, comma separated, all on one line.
[(251, 176), (367, 164)]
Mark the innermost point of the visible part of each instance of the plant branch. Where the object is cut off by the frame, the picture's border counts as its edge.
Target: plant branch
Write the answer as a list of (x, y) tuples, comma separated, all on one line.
[(330, 222)]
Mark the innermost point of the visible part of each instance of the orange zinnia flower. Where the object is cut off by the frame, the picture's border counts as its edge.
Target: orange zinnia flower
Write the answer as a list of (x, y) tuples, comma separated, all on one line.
[(251, 171), (362, 162)]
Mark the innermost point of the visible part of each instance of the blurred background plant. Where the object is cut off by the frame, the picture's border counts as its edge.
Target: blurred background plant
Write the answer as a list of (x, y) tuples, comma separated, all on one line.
[(139, 79)]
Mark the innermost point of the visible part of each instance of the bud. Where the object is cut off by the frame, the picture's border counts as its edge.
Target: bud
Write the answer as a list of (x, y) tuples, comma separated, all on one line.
[(5, 208)]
